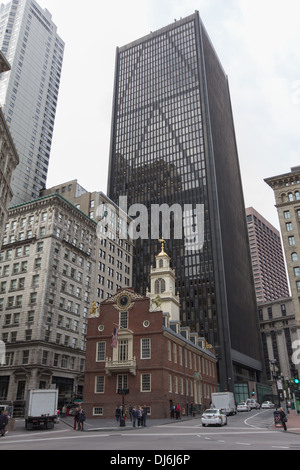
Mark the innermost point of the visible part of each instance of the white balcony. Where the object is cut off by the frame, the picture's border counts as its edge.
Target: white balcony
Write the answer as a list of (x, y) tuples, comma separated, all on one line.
[(121, 367)]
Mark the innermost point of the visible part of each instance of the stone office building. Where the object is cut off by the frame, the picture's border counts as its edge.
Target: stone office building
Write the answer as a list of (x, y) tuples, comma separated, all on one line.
[(286, 189), (278, 330), (47, 265), (114, 249)]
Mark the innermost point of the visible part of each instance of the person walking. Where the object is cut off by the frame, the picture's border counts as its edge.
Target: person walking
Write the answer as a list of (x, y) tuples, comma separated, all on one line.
[(139, 416), (81, 418), (144, 415), (134, 416), (75, 418), (118, 414), (3, 423), (177, 412), (283, 418), (130, 412)]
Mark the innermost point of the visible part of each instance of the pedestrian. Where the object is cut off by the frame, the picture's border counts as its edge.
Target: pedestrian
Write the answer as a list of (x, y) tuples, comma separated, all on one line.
[(64, 411), (130, 412), (118, 414), (144, 415), (76, 418), (177, 412), (283, 418), (172, 411), (81, 418), (3, 423), (139, 416), (134, 416)]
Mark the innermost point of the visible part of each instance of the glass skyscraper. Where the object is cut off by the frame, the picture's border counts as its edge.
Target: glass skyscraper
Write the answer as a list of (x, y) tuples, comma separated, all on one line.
[(29, 92), (173, 142)]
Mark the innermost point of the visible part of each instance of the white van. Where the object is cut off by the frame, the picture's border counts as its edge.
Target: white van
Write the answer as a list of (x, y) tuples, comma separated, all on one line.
[(224, 401)]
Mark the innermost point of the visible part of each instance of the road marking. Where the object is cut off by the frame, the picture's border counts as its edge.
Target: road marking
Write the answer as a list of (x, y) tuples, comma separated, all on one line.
[(279, 447), (81, 436), (243, 443), (251, 417)]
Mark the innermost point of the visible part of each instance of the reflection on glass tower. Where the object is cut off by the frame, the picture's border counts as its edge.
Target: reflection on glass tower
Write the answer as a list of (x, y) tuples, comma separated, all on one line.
[(173, 142)]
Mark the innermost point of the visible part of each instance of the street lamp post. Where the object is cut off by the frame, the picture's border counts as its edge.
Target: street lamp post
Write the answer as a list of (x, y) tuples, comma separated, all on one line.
[(275, 374)]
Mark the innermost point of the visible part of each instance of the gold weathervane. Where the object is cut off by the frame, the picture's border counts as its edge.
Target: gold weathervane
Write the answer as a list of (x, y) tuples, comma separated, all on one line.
[(163, 243)]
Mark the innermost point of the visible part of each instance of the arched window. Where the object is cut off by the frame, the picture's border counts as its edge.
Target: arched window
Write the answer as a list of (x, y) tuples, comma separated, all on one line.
[(294, 257), (297, 195), (160, 286), (291, 197)]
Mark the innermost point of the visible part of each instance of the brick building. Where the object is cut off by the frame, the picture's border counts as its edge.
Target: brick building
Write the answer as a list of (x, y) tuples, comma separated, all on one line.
[(159, 362)]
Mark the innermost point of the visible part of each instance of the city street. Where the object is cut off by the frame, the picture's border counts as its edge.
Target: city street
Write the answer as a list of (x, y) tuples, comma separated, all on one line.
[(245, 431)]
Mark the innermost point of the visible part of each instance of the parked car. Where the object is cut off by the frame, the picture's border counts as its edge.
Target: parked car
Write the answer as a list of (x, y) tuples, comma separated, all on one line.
[(214, 416), (253, 403), (243, 406), (268, 404)]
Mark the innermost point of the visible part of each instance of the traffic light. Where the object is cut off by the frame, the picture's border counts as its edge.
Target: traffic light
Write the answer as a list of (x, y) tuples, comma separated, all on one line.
[(253, 392), (296, 377)]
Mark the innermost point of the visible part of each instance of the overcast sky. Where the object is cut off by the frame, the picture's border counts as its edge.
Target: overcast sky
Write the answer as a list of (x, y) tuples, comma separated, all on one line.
[(258, 43)]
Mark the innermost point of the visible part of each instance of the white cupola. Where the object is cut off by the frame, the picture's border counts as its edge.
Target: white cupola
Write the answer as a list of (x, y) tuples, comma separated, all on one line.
[(162, 286)]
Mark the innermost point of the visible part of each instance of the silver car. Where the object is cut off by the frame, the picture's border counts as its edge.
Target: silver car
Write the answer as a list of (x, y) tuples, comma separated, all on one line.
[(243, 407), (268, 404), (214, 416)]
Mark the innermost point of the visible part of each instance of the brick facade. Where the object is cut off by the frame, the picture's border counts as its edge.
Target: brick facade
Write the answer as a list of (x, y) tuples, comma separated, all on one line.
[(158, 365)]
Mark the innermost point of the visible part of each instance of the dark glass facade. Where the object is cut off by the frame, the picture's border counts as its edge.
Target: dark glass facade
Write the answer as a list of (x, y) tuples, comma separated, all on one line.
[(173, 142)]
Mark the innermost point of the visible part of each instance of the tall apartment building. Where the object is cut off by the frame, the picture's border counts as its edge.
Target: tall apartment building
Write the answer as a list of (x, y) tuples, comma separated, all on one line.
[(47, 269), (9, 158), (114, 248), (286, 189), (268, 265), (29, 92), (173, 142)]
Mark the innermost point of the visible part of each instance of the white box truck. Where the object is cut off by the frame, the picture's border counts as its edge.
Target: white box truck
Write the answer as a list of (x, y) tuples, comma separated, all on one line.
[(41, 409), (224, 401)]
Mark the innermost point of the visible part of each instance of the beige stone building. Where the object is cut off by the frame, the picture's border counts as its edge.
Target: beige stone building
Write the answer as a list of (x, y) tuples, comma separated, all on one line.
[(56, 264), (47, 268), (114, 249), (286, 189), (279, 331)]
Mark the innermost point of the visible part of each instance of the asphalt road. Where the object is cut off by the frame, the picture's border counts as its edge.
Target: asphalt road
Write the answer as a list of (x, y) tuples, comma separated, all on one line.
[(245, 431)]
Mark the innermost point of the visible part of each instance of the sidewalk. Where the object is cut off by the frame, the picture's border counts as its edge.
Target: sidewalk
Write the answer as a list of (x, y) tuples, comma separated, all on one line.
[(111, 424), (293, 424)]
